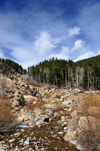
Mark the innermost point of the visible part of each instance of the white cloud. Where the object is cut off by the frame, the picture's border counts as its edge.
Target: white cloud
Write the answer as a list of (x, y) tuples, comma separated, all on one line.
[(98, 51), (57, 40), (27, 63), (73, 31), (79, 44), (87, 55), (1, 54), (43, 43), (63, 54)]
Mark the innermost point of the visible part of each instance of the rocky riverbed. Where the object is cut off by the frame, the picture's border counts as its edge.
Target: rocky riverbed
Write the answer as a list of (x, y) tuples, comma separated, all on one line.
[(49, 119), (46, 138)]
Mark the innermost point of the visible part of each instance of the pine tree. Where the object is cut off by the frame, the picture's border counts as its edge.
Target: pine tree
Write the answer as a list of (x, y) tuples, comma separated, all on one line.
[(85, 78)]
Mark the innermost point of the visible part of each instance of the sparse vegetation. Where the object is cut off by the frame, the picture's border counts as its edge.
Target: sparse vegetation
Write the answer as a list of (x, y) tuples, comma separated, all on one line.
[(90, 108), (89, 100), (34, 83), (7, 117), (22, 100), (58, 96), (47, 95), (31, 107), (59, 108), (90, 139)]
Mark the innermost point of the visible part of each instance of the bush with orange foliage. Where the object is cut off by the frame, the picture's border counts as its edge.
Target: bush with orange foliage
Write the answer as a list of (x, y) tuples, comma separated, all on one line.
[(31, 107), (7, 117), (90, 108), (89, 101), (33, 82)]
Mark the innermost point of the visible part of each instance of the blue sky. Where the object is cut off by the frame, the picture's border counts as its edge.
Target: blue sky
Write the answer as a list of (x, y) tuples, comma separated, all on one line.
[(36, 30)]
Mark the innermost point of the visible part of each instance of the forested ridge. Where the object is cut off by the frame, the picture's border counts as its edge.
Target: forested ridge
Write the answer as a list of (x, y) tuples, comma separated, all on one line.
[(8, 66), (84, 73)]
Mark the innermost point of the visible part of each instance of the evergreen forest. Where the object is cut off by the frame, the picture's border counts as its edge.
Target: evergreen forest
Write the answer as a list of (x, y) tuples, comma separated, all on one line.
[(84, 73), (8, 66)]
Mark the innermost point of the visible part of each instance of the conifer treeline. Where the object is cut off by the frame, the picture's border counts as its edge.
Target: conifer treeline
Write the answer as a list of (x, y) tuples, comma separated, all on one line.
[(84, 73), (9, 66)]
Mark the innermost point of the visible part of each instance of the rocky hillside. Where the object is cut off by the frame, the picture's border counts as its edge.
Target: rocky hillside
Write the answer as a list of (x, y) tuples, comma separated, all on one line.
[(47, 117)]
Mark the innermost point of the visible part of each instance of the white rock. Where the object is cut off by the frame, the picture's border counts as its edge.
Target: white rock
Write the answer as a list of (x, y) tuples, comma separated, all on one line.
[(11, 140), (27, 142), (20, 119)]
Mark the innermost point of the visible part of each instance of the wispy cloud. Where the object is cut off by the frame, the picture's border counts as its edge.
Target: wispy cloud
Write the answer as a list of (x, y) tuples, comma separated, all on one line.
[(79, 45), (86, 55), (34, 31), (62, 54), (73, 31), (1, 54)]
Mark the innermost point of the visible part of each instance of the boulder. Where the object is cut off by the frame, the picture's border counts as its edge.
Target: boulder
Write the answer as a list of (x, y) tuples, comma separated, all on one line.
[(12, 140), (25, 117), (93, 110), (15, 103), (66, 102), (78, 131), (44, 118), (73, 123), (70, 135), (93, 122), (27, 142), (79, 147), (74, 114), (87, 123), (83, 123), (16, 98), (63, 118), (20, 119)]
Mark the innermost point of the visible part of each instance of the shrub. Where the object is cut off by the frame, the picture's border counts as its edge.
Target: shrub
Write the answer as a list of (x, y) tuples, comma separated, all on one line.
[(90, 139), (47, 95), (33, 106), (58, 96), (19, 92), (22, 100), (59, 108), (89, 106), (7, 118), (89, 100), (34, 83)]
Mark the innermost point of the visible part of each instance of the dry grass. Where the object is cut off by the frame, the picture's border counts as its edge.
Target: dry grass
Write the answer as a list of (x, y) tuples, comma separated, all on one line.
[(31, 107), (43, 110), (34, 83), (47, 94), (59, 108), (7, 118), (89, 100), (90, 139), (33, 99), (90, 106), (58, 96), (55, 101)]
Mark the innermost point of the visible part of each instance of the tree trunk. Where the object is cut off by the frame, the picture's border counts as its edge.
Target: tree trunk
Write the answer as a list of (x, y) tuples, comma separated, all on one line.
[(96, 82), (88, 81), (68, 78), (93, 81), (77, 80), (56, 80)]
